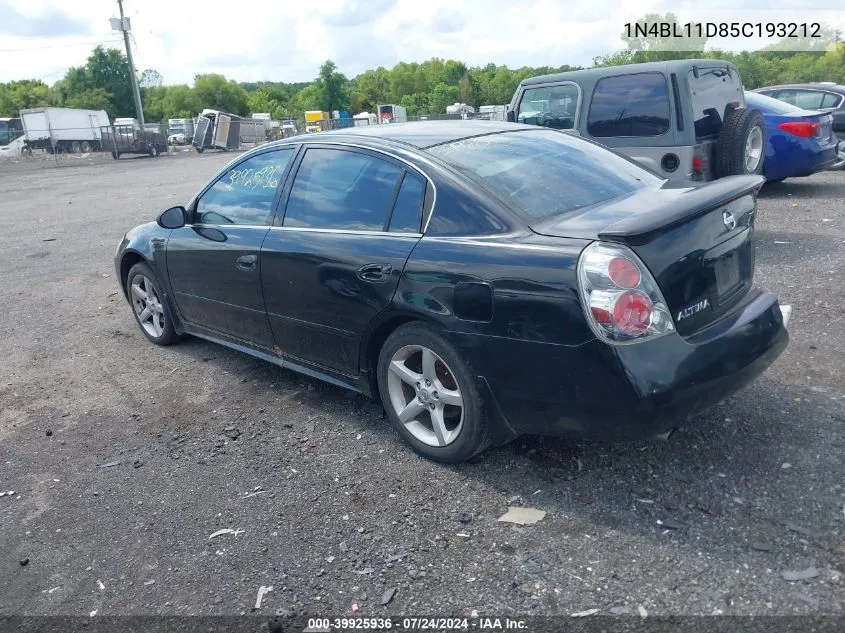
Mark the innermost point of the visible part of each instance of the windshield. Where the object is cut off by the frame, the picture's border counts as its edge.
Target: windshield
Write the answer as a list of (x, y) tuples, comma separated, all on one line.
[(543, 173), (769, 104)]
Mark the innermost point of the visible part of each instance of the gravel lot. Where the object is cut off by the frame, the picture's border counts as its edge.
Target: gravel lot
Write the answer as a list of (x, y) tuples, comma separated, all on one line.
[(125, 457)]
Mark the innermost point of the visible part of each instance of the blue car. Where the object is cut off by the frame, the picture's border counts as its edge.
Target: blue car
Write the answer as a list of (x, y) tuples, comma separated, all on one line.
[(800, 142)]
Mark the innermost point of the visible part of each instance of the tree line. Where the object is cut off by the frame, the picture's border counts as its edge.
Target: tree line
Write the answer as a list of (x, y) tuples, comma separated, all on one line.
[(423, 88)]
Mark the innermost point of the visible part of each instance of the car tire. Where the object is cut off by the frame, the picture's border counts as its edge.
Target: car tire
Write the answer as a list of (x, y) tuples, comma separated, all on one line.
[(741, 147), (443, 417), (153, 317), (115, 155), (153, 151)]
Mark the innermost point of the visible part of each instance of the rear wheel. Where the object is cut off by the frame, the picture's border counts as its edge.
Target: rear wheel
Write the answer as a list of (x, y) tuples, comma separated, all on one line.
[(86, 146), (430, 395), (153, 151), (115, 155), (75, 147), (741, 147)]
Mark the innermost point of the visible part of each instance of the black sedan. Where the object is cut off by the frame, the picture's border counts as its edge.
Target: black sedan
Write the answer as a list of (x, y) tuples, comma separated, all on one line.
[(483, 279)]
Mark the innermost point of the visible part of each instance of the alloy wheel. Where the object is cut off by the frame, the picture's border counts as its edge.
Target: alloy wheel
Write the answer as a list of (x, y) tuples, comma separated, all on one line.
[(147, 306), (753, 149), (425, 395)]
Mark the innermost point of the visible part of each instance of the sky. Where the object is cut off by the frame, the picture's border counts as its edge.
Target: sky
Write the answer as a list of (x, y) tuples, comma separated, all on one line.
[(282, 40)]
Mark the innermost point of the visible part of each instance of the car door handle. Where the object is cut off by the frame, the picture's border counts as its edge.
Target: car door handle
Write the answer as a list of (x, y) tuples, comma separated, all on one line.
[(247, 262), (375, 272)]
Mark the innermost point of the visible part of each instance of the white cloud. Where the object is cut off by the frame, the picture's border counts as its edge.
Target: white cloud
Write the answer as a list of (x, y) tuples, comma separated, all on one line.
[(283, 40)]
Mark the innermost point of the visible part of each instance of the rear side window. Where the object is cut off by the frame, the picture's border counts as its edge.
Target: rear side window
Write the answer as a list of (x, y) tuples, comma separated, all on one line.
[(805, 99), (407, 212), (629, 105), (340, 189), (710, 94), (553, 107), (831, 100), (542, 173)]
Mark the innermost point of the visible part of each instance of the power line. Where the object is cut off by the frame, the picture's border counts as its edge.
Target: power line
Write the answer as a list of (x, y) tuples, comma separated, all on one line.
[(42, 48)]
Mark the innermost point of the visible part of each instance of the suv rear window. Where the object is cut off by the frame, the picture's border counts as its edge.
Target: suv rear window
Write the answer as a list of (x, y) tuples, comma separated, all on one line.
[(543, 172), (710, 92), (629, 105)]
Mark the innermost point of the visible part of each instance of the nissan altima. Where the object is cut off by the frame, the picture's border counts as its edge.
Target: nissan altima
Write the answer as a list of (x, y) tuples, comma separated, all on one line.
[(482, 279)]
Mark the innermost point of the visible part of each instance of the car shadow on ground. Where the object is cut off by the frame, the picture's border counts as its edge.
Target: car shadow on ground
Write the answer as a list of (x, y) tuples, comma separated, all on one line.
[(782, 248), (802, 188), (721, 472)]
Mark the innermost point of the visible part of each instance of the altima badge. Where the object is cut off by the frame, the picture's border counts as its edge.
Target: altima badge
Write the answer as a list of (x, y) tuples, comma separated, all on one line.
[(696, 307), (729, 220)]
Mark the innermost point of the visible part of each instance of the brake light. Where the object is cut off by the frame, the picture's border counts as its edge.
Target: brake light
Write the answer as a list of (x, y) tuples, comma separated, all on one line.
[(804, 129), (621, 300), (623, 272), (696, 164), (632, 312)]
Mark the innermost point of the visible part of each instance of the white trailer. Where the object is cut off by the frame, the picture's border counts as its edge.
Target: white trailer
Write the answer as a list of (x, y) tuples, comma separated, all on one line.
[(364, 118), (460, 108), (63, 129), (392, 113), (493, 112)]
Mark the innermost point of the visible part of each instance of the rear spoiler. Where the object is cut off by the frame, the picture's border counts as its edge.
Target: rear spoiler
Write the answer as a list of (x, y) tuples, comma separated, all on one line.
[(638, 228)]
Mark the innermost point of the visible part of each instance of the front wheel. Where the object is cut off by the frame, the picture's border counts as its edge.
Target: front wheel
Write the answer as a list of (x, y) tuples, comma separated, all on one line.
[(150, 305), (430, 395)]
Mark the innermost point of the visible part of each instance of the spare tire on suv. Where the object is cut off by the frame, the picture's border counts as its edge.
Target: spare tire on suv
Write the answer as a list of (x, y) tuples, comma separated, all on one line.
[(741, 147)]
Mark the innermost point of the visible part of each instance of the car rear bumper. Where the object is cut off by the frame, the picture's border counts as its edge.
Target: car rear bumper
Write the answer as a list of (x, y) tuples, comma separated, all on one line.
[(599, 392)]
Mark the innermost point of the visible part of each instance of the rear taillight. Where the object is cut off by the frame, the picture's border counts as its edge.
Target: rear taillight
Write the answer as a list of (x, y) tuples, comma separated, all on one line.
[(621, 300), (804, 129)]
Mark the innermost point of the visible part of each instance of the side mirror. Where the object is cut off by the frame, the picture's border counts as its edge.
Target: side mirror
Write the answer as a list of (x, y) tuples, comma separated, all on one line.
[(511, 116), (173, 218)]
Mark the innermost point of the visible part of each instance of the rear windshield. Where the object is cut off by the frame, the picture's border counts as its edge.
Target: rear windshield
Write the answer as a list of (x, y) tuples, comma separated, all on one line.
[(542, 172), (711, 91), (768, 104)]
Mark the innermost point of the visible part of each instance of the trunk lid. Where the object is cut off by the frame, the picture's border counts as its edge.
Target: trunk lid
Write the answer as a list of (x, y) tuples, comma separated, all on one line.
[(695, 241)]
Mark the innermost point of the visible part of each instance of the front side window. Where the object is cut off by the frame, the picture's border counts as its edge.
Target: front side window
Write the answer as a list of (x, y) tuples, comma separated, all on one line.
[(710, 93), (553, 107), (542, 173), (245, 193), (341, 189), (629, 105)]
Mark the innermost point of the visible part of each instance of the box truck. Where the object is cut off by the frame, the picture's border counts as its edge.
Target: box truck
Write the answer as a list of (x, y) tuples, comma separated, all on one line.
[(392, 113), (63, 129), (316, 121)]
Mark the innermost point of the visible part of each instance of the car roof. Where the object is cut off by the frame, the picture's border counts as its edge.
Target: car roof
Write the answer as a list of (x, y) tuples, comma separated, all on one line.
[(829, 87), (419, 134), (676, 66)]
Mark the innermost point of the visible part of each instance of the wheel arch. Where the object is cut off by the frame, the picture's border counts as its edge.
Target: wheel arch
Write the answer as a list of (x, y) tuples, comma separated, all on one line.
[(377, 333), (127, 261)]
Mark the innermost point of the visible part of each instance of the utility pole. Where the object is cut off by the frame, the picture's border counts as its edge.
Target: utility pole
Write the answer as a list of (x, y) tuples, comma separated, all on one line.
[(136, 92)]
